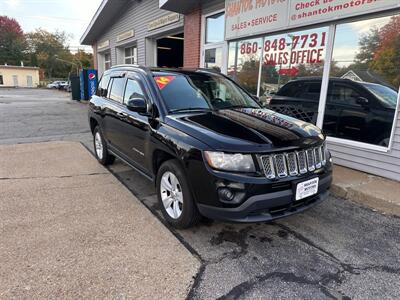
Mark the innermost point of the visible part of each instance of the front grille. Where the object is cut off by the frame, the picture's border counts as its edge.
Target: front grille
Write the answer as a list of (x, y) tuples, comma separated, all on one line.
[(293, 163)]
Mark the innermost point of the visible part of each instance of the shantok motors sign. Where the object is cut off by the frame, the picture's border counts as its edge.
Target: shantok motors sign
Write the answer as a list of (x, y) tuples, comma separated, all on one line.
[(252, 17)]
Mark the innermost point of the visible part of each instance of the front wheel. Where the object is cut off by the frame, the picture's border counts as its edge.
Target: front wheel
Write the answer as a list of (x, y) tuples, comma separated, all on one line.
[(174, 196), (100, 148)]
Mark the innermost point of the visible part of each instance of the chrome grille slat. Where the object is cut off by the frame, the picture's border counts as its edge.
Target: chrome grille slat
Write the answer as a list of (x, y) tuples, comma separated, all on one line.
[(280, 164), (294, 163), (323, 157), (310, 159), (268, 166), (301, 157), (318, 159)]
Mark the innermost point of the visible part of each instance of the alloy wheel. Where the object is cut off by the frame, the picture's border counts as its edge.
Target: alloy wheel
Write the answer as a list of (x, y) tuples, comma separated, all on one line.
[(171, 195), (98, 144)]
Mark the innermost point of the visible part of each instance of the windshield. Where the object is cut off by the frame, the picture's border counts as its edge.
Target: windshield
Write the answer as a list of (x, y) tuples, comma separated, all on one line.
[(201, 91), (383, 93)]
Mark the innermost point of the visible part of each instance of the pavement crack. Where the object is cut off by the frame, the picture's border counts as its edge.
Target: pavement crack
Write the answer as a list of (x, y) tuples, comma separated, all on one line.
[(47, 177), (345, 266), (247, 286)]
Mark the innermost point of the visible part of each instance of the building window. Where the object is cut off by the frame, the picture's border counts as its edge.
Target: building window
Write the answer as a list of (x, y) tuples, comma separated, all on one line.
[(1, 80), (244, 63), (215, 28), (364, 81), (107, 61), (131, 55)]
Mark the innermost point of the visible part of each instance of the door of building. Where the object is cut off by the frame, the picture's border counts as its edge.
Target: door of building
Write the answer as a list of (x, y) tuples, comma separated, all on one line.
[(29, 81), (214, 57), (15, 80)]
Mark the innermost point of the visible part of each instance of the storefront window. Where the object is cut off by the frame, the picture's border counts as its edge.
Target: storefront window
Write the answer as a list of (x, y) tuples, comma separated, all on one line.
[(244, 63), (215, 25), (364, 81), (292, 72), (130, 55)]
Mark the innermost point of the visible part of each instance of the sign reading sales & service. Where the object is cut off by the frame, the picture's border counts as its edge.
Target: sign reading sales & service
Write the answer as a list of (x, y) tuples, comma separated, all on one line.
[(252, 17)]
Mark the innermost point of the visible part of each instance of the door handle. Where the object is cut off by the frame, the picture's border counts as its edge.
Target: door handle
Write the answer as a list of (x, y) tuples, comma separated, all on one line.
[(122, 114)]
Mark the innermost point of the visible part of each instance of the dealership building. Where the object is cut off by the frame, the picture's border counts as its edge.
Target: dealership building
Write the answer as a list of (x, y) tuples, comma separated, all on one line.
[(334, 63)]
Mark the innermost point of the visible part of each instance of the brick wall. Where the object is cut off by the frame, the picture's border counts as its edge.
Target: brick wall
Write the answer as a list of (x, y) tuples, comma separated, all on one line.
[(192, 31)]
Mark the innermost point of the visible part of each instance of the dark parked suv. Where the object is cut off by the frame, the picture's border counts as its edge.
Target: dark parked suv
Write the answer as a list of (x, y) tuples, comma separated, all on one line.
[(359, 111), (208, 146)]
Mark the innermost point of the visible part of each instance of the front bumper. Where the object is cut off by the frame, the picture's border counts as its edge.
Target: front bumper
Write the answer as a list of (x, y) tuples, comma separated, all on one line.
[(266, 207)]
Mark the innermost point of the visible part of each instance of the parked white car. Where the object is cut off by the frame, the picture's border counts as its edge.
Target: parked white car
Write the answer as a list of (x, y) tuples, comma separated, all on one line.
[(57, 84)]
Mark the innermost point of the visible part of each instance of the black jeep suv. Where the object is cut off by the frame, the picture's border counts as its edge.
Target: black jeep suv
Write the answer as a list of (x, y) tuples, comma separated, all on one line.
[(208, 145)]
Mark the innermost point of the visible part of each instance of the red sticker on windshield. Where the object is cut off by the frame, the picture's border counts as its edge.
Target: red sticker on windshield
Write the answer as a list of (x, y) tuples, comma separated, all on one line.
[(162, 81)]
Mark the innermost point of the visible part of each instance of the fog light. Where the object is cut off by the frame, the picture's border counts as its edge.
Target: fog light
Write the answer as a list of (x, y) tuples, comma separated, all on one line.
[(226, 194)]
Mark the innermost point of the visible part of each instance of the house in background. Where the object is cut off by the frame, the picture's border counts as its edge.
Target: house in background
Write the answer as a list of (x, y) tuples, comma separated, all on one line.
[(19, 76), (367, 76)]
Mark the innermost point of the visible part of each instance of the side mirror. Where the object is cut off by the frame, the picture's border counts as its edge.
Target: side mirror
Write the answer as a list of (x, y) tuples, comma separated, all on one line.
[(138, 105), (362, 101)]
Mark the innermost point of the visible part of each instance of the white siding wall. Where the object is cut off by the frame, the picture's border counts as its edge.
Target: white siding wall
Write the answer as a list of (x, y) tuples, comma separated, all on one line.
[(136, 15)]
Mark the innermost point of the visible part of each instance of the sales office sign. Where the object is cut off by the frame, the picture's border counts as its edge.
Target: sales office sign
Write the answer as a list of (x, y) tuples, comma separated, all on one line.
[(252, 17)]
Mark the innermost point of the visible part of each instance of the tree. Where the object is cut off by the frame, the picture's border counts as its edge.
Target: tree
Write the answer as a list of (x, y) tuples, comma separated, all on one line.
[(386, 60), (12, 42), (83, 58), (47, 50), (380, 51)]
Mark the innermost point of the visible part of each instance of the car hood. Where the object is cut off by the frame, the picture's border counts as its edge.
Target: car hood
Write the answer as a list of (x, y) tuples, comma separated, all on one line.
[(247, 129)]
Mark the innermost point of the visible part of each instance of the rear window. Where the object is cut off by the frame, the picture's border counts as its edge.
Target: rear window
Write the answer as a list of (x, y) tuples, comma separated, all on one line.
[(103, 85), (290, 89), (304, 90)]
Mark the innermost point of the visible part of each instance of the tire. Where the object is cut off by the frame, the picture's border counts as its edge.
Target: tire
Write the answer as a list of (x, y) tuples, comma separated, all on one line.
[(180, 197), (100, 150)]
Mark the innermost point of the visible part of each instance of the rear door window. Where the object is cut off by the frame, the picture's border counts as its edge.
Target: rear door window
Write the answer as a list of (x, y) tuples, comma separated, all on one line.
[(117, 89)]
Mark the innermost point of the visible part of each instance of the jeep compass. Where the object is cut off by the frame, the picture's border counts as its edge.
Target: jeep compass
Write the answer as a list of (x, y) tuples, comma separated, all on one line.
[(208, 145)]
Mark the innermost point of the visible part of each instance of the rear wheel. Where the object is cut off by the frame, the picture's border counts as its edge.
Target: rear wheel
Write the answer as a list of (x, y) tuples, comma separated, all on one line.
[(100, 148), (174, 196)]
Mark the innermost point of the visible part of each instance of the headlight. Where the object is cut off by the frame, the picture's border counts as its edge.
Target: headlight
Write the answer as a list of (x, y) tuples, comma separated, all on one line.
[(230, 162)]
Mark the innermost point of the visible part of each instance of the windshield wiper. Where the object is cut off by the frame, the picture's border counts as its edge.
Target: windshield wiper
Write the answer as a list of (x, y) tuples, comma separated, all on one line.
[(189, 109)]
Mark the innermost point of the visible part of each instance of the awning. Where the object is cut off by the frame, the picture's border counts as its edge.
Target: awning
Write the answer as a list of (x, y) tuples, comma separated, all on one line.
[(179, 6)]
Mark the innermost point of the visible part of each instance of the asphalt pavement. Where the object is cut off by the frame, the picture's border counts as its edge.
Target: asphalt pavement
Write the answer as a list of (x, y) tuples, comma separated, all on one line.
[(336, 250)]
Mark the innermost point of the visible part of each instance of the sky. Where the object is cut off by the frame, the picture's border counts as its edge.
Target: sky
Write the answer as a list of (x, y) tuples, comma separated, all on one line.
[(71, 16)]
